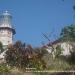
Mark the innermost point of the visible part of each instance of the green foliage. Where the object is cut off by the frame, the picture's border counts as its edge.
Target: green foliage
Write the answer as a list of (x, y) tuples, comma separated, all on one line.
[(41, 51), (71, 58), (4, 69), (1, 48), (59, 65), (42, 73), (58, 51), (14, 54), (23, 56), (68, 33)]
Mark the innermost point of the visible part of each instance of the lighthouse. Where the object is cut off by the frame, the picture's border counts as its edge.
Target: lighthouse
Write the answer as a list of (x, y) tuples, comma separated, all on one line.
[(7, 30)]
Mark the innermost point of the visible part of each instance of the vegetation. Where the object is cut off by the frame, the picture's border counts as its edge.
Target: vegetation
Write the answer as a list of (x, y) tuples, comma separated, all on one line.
[(68, 33), (1, 48), (23, 56), (4, 69), (63, 62), (58, 51), (20, 56), (71, 58)]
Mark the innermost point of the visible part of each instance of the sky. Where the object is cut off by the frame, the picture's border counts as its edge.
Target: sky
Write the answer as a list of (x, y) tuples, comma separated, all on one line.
[(31, 18)]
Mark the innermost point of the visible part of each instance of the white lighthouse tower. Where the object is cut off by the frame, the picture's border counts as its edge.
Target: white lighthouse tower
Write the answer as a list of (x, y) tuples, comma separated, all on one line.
[(6, 29)]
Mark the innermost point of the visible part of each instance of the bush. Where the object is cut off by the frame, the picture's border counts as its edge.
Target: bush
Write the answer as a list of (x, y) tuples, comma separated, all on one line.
[(4, 69), (22, 56)]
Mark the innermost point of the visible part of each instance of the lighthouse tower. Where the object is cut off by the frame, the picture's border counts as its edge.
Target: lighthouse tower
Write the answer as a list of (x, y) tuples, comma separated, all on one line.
[(6, 29)]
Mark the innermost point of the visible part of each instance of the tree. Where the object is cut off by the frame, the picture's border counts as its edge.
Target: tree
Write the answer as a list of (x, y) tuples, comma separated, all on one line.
[(22, 56), (14, 54), (58, 51), (72, 56), (68, 33), (41, 51)]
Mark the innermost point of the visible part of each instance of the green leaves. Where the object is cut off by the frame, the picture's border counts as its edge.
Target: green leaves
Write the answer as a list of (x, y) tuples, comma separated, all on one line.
[(68, 33), (58, 51), (24, 56), (1, 48)]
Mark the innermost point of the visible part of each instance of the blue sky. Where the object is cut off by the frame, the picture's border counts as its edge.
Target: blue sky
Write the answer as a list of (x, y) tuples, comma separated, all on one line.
[(31, 18)]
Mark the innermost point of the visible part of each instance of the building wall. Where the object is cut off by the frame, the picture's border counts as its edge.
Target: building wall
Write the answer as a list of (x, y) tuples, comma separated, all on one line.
[(64, 45), (6, 36), (66, 48)]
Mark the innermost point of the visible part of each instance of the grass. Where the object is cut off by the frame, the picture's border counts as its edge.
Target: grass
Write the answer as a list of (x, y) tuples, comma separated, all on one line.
[(58, 64), (4, 70)]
